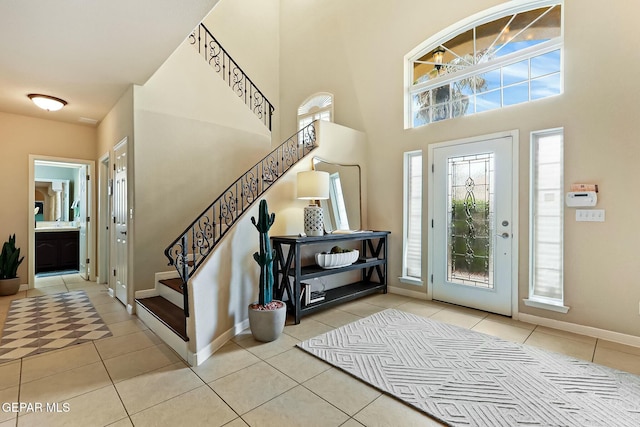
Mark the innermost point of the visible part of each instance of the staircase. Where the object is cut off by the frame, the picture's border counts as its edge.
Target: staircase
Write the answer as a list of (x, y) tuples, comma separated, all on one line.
[(162, 311), (165, 309)]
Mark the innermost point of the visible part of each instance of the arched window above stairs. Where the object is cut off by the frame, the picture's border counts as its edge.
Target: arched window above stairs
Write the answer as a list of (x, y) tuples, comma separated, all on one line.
[(318, 106)]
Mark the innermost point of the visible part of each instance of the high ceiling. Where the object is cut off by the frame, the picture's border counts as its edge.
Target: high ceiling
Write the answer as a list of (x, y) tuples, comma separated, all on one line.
[(86, 52)]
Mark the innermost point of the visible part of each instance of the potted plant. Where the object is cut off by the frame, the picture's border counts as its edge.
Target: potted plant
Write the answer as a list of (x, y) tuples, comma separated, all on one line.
[(9, 262), (267, 316)]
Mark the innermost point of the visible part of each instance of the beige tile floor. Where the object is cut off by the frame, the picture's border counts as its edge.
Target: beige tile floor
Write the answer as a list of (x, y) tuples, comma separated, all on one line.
[(132, 378)]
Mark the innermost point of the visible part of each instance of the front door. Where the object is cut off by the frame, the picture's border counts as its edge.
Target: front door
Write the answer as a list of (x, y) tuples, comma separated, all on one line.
[(472, 216), (120, 221)]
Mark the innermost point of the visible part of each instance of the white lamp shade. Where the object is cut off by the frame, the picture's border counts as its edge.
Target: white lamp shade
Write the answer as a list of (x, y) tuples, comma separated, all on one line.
[(313, 185)]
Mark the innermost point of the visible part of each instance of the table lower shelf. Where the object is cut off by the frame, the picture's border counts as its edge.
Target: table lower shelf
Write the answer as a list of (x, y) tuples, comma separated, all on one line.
[(343, 294)]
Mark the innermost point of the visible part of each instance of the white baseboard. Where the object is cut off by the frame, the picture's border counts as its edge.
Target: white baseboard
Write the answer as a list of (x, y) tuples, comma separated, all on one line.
[(213, 346), (407, 293), (604, 334), (130, 309)]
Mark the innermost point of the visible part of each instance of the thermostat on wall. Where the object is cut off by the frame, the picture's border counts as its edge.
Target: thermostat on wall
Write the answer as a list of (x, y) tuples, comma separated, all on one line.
[(581, 198)]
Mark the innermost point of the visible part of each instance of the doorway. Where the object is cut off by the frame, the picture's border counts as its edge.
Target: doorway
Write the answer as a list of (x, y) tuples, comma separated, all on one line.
[(473, 210), (105, 189), (120, 222), (60, 200)]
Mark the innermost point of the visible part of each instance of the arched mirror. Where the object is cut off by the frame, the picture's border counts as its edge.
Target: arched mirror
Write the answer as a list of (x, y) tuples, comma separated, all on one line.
[(342, 210)]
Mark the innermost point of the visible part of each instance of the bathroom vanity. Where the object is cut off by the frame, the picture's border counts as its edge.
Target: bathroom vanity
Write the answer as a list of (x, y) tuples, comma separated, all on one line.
[(57, 249)]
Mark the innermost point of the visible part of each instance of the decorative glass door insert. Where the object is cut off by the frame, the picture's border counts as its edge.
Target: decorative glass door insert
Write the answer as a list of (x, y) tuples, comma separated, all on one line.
[(472, 241), (469, 220)]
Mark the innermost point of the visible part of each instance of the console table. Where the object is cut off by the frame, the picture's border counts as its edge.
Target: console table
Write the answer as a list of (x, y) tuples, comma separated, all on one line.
[(287, 264)]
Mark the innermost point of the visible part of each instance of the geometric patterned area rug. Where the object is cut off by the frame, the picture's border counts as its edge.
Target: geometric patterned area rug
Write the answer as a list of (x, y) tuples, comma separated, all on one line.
[(49, 322), (465, 378)]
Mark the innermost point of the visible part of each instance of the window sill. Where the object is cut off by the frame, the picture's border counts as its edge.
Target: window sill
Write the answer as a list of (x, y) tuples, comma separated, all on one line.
[(546, 305), (410, 281)]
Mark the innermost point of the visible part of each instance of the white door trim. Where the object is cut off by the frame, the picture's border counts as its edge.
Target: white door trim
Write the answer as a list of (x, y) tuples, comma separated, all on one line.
[(514, 134), (90, 164), (104, 214)]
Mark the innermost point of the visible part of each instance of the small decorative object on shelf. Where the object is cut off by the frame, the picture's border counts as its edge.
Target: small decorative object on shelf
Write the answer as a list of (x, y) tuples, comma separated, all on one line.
[(313, 185), (308, 295), (337, 258), (316, 296)]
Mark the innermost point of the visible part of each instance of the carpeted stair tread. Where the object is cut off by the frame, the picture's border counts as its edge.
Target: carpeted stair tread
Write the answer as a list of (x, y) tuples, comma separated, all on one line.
[(166, 312)]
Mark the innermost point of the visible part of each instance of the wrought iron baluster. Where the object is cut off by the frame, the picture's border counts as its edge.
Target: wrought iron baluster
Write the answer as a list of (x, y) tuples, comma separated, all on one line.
[(215, 54)]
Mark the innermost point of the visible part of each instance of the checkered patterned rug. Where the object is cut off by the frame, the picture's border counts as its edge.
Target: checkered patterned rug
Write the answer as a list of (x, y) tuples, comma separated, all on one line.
[(49, 322)]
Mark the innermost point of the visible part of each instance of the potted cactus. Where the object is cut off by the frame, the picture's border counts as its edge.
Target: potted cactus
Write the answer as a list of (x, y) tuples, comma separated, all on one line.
[(9, 262), (266, 316)]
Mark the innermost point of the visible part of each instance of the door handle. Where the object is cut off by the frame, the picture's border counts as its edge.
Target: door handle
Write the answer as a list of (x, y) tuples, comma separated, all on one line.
[(504, 235), (123, 232)]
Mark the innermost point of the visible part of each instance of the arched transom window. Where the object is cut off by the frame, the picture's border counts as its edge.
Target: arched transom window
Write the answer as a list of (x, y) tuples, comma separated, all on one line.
[(504, 56), (318, 106)]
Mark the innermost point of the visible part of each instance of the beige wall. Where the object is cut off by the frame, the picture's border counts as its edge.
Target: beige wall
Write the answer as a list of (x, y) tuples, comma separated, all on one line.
[(363, 44), (250, 32), (117, 125), (193, 138), (224, 286), (21, 136)]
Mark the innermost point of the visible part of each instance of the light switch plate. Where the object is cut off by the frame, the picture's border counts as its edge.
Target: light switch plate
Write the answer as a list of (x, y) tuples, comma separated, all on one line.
[(590, 215)]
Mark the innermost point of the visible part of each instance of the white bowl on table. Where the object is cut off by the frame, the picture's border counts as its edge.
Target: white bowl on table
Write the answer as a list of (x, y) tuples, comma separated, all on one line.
[(338, 260)]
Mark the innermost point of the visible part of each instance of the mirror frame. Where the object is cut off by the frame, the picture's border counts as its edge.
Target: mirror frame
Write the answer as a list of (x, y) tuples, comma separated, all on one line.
[(315, 161)]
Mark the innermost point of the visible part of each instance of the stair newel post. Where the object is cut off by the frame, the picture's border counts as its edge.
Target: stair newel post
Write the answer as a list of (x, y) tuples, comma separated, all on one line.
[(270, 115), (185, 273)]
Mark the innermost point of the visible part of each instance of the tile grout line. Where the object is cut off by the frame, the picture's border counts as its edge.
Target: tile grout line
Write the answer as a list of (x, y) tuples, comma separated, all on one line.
[(113, 384)]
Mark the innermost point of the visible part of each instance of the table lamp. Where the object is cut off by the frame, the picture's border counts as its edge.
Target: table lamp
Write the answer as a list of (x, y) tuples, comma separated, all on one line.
[(313, 185)]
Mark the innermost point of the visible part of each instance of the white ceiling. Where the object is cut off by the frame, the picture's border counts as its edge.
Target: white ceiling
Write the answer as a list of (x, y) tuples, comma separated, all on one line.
[(87, 52)]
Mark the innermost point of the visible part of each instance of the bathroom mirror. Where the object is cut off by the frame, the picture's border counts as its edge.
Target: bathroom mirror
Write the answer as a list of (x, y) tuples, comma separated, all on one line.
[(342, 211), (51, 200)]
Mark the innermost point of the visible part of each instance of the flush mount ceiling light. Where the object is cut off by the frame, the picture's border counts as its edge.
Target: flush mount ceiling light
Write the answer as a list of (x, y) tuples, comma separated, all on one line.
[(46, 102)]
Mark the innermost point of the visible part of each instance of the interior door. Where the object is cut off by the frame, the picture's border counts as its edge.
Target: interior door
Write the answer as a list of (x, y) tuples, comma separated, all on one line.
[(472, 224), (83, 213), (120, 221)]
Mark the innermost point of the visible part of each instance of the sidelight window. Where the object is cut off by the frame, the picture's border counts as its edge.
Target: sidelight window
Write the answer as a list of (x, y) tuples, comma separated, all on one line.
[(546, 221), (412, 236)]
